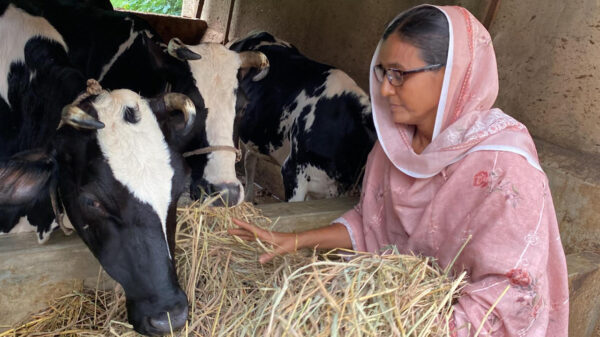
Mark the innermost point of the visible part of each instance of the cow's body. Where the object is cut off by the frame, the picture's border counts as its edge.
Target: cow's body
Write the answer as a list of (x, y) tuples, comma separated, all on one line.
[(112, 160), (310, 118), (33, 61), (120, 50)]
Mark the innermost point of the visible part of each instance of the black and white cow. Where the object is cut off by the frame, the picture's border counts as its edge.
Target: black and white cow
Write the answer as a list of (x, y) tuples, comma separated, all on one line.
[(110, 160), (122, 51), (310, 118)]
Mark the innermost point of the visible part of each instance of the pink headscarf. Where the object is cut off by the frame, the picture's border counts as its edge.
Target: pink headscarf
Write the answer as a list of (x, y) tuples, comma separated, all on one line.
[(478, 178), (465, 121)]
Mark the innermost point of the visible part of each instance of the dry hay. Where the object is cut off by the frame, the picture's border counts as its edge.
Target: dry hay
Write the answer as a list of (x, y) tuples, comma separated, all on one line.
[(303, 294)]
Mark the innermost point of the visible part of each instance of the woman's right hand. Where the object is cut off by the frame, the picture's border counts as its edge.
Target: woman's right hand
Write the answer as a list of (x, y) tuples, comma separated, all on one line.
[(282, 243)]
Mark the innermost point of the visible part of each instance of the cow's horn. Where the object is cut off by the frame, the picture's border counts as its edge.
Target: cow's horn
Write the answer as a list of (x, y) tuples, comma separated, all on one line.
[(76, 117), (255, 59), (177, 49), (176, 101)]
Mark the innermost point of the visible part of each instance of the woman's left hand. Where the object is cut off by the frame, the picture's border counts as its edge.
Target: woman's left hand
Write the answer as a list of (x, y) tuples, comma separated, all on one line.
[(283, 243)]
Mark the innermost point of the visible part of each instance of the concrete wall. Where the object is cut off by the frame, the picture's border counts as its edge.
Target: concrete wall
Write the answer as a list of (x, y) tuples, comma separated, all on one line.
[(550, 80), (343, 33), (550, 74), (548, 65)]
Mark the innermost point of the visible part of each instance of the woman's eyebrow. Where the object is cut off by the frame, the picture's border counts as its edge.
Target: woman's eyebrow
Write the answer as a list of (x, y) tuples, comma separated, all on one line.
[(392, 65)]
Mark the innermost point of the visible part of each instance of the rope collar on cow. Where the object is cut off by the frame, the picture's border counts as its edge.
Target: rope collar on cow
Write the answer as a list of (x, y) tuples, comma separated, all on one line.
[(209, 149)]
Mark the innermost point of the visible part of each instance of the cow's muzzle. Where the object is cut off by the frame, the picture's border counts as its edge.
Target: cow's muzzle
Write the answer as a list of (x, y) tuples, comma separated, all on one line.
[(159, 319), (230, 194)]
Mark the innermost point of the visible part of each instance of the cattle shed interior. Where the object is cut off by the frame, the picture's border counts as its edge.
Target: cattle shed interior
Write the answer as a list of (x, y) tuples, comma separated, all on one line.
[(547, 54)]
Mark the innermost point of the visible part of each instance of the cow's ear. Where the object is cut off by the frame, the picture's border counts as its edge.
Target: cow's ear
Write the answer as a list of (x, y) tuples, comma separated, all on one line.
[(25, 176), (157, 53), (179, 50)]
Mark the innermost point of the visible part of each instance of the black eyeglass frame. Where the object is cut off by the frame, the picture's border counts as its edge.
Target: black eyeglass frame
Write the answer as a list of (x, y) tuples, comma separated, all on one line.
[(379, 71)]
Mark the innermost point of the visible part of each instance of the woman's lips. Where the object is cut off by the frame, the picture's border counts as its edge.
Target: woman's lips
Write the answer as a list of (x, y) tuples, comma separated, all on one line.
[(396, 106)]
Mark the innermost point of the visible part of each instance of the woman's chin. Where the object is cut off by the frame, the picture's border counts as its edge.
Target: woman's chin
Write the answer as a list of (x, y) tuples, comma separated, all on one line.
[(401, 118)]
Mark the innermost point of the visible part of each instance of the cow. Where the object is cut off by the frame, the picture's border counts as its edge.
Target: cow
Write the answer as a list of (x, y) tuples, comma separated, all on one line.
[(122, 51), (107, 162), (310, 118)]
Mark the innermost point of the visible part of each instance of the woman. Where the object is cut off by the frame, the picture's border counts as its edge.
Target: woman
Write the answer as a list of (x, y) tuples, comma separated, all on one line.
[(447, 167)]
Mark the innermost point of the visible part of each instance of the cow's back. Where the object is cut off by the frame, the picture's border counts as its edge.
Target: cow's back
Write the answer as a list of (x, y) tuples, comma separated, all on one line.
[(310, 117), (270, 103)]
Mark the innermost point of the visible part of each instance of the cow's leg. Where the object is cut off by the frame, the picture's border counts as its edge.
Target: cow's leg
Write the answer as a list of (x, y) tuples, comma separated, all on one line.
[(250, 161)]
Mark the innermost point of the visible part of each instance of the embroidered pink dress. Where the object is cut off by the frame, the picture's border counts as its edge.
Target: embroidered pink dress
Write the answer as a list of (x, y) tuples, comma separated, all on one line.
[(479, 177)]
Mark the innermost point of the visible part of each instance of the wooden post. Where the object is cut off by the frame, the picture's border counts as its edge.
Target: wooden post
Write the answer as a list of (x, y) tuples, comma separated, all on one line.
[(229, 18), (490, 13), (192, 8)]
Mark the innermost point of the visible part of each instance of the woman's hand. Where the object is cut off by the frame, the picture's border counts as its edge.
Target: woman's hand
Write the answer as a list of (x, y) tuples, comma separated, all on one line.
[(282, 243)]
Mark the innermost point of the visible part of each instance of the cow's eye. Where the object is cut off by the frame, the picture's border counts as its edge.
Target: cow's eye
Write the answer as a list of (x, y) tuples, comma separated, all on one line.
[(92, 204), (131, 114)]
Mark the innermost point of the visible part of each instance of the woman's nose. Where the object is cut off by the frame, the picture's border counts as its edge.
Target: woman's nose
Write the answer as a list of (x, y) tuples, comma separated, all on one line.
[(386, 88)]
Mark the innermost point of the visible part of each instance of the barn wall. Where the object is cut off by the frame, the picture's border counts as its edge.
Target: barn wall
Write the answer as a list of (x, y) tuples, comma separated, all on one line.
[(550, 75), (343, 33), (547, 55)]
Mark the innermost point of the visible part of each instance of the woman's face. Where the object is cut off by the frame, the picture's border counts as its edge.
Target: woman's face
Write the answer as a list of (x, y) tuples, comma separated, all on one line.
[(415, 101)]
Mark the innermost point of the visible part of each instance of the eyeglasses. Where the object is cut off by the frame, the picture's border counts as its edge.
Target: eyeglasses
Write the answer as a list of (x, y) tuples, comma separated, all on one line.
[(396, 76)]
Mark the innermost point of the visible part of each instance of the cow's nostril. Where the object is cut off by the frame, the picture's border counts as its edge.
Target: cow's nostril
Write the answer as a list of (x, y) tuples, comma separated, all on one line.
[(175, 320), (230, 193)]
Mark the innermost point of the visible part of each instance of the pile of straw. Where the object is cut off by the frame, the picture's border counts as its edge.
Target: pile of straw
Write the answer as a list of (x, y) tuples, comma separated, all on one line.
[(303, 294)]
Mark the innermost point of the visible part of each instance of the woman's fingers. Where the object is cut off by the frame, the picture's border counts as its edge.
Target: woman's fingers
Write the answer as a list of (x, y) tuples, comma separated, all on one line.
[(280, 250), (282, 243), (266, 257), (250, 228), (242, 233)]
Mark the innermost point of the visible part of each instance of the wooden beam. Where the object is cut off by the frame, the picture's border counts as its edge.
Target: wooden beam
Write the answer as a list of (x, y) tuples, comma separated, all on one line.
[(490, 14), (302, 216), (229, 18), (32, 274), (199, 8), (192, 8), (188, 30)]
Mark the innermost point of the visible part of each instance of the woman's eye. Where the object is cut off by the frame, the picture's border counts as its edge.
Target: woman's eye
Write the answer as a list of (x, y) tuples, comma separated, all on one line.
[(397, 76)]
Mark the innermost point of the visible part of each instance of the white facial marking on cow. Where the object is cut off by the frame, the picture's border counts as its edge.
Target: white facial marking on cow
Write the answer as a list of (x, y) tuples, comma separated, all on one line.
[(137, 153), (122, 48), (216, 77), (319, 186), (16, 28)]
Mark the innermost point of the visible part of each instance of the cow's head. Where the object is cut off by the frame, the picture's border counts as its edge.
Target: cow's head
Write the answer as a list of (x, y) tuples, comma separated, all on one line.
[(215, 71), (119, 181)]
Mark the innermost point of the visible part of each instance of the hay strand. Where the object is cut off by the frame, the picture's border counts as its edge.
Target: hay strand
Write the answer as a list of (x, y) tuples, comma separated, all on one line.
[(301, 294)]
